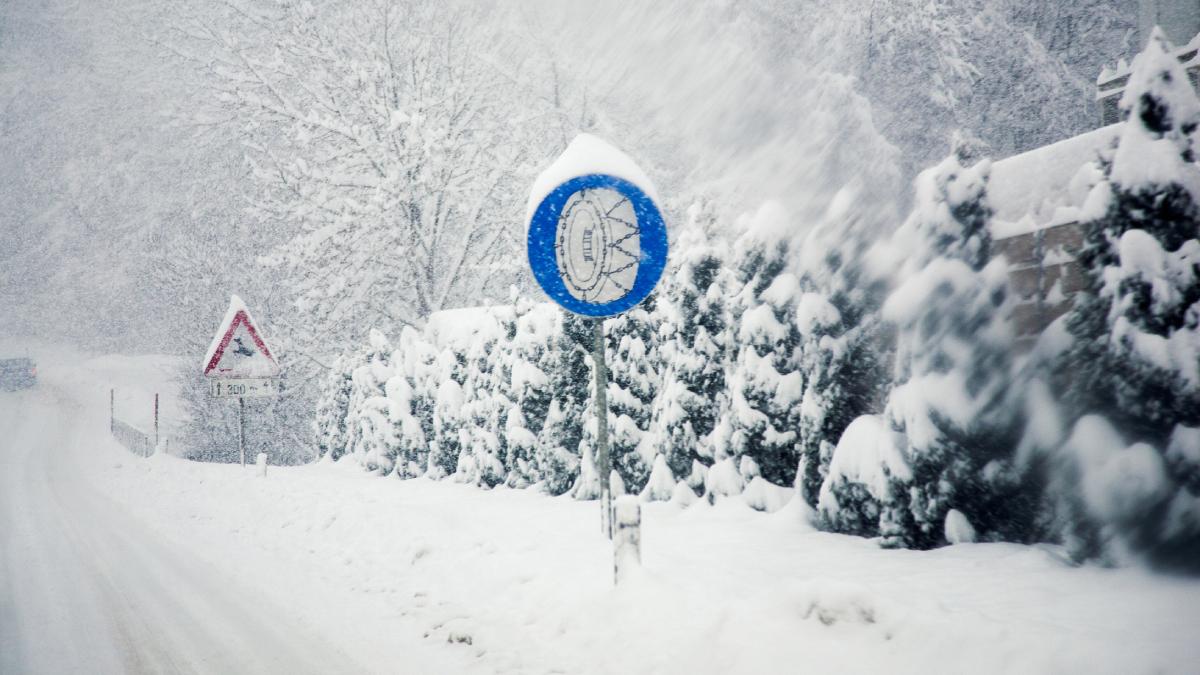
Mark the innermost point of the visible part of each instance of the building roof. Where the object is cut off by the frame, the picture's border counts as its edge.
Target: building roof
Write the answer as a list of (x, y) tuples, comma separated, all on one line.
[(1047, 185)]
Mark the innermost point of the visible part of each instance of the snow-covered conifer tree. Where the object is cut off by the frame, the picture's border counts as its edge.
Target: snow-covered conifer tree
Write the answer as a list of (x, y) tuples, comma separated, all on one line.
[(765, 385), (369, 430), (838, 319), (529, 388), (558, 451), (418, 359), (1136, 352), (482, 454), (953, 423), (448, 419), (633, 369), (333, 406), (408, 435), (694, 321)]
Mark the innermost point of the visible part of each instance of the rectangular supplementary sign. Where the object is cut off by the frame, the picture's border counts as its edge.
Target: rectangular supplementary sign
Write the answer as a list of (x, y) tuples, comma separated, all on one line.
[(242, 387)]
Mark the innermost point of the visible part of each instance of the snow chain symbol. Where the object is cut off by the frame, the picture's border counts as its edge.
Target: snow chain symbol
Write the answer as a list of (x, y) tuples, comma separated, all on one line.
[(597, 245)]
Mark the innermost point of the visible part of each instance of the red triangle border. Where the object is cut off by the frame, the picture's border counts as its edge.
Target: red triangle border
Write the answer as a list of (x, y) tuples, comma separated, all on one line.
[(239, 318)]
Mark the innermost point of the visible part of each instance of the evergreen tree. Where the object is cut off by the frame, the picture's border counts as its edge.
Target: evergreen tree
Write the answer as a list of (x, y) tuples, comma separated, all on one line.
[(529, 388), (633, 367), (949, 409), (765, 383), (1135, 358), (369, 431), (419, 359), (481, 459), (694, 321), (334, 406), (840, 342), (410, 439), (558, 452), (448, 420)]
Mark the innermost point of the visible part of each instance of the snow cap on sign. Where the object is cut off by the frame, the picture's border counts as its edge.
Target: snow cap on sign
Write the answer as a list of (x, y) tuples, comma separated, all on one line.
[(586, 155), (238, 320)]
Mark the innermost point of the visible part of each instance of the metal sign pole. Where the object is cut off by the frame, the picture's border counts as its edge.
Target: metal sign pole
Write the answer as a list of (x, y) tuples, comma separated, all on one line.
[(602, 428), (242, 429)]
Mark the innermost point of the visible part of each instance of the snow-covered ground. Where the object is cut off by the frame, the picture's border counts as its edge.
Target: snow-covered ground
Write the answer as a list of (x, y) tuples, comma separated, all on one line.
[(116, 563)]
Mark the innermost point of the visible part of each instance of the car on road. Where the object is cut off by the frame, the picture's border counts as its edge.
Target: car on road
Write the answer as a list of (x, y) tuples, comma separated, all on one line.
[(17, 374)]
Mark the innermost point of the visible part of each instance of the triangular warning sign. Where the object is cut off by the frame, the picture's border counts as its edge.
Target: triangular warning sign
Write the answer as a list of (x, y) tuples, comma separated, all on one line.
[(239, 350)]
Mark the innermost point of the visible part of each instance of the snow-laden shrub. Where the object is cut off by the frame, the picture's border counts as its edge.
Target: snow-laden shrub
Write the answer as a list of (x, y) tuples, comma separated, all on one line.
[(587, 483), (723, 480), (447, 445), (418, 360), (858, 493), (411, 441), (485, 401), (957, 529), (762, 495), (661, 484)]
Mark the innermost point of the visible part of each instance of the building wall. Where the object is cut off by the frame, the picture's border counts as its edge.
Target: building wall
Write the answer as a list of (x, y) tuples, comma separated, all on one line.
[(1044, 274)]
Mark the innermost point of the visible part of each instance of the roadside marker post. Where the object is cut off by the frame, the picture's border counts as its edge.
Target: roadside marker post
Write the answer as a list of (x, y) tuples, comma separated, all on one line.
[(597, 245), (627, 540)]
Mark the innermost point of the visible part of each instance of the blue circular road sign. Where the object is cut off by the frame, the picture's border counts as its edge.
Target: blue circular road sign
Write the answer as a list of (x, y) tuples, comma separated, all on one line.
[(597, 245)]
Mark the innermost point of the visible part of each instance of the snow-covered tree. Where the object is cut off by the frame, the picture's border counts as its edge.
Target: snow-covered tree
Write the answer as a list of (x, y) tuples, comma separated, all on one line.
[(333, 407), (841, 349), (418, 360), (765, 385), (558, 451), (448, 415), (369, 433), (950, 406), (694, 320), (529, 388), (407, 434), (381, 141), (1135, 359), (485, 396), (945, 446), (633, 371)]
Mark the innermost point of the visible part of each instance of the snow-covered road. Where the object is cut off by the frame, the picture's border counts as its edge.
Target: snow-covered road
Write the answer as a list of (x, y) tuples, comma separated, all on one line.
[(115, 563), (86, 588)]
